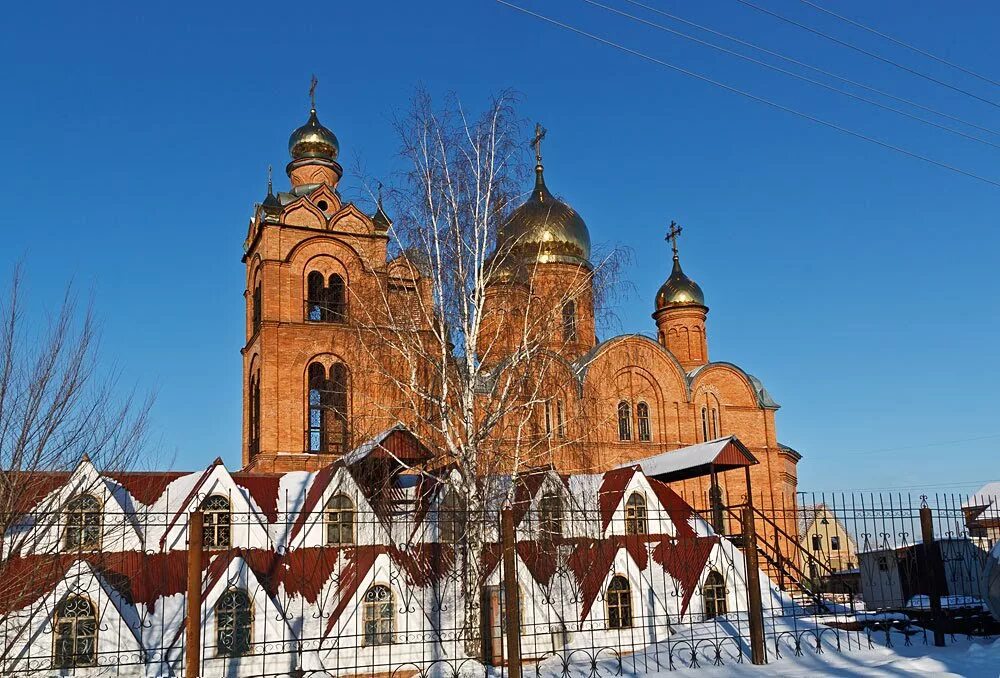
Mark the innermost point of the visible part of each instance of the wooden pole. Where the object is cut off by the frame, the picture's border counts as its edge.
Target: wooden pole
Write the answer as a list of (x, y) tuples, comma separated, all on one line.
[(932, 569), (511, 599), (755, 606), (193, 622)]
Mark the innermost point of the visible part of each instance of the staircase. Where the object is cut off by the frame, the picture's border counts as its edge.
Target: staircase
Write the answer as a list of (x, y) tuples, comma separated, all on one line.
[(782, 555)]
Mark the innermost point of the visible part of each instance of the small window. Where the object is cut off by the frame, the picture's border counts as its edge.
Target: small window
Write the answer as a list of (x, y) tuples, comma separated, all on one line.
[(835, 543), (704, 424), (716, 430), (883, 564), (451, 519), (550, 515), (326, 300), (548, 418), (327, 402), (635, 514), (817, 542), (624, 421), (233, 624), (83, 523), (339, 516), (378, 615), (217, 526), (642, 415), (619, 603), (257, 308), (714, 592), (75, 628), (254, 415), (569, 321), (560, 419)]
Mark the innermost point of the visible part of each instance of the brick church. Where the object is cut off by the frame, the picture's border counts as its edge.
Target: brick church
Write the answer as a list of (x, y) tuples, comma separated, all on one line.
[(319, 268)]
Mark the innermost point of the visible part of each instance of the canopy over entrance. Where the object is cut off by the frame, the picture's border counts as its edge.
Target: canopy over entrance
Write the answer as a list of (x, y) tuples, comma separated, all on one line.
[(694, 461)]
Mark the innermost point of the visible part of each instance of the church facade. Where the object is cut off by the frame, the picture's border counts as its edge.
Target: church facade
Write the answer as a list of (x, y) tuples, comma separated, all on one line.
[(318, 269)]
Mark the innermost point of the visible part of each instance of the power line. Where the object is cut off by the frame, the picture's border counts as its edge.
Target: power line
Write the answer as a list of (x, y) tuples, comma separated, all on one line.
[(748, 95), (792, 74), (811, 67), (866, 52), (923, 445), (900, 42)]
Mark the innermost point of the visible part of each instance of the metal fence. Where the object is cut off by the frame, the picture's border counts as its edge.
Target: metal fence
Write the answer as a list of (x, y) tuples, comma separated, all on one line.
[(564, 586)]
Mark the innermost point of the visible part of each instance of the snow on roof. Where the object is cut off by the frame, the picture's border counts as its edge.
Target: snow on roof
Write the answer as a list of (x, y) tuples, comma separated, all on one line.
[(369, 446), (686, 460), (987, 496)]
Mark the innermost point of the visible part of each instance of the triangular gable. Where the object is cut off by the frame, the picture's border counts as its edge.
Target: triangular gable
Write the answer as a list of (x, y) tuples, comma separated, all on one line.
[(217, 480), (684, 560), (43, 532), (528, 486), (118, 623), (591, 564), (609, 496), (329, 481), (358, 562)]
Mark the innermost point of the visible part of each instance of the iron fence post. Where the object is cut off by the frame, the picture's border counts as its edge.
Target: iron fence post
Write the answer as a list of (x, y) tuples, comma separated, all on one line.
[(755, 605), (511, 599), (193, 621), (932, 572)]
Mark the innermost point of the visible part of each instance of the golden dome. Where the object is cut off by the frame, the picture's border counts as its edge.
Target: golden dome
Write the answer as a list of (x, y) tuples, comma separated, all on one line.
[(679, 290), (312, 140), (545, 230)]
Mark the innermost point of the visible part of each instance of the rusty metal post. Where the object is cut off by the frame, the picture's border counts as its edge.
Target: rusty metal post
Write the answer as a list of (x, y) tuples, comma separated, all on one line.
[(755, 605), (193, 622), (511, 599), (932, 568), (715, 502)]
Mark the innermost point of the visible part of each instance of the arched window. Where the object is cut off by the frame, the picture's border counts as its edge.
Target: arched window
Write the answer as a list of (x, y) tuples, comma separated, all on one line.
[(378, 615), (642, 415), (714, 592), (704, 424), (336, 298), (635, 514), (548, 418), (569, 321), (254, 415), (339, 517), (624, 421), (326, 302), (315, 291), (560, 419), (550, 515), (83, 523), (327, 400), (257, 311), (619, 600), (716, 431), (217, 526), (75, 626), (233, 624)]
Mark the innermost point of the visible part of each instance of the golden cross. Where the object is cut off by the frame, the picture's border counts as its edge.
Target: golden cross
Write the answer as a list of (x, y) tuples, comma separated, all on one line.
[(672, 235), (536, 142), (312, 91)]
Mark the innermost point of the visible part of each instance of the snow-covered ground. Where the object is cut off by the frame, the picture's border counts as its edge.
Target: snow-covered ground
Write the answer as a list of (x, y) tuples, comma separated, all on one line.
[(713, 643)]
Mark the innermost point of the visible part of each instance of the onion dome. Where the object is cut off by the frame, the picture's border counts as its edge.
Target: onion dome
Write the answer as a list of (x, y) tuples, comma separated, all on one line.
[(545, 229), (679, 290), (313, 140), (380, 218)]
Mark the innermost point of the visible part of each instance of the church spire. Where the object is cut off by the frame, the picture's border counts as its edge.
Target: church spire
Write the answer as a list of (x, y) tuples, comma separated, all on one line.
[(314, 150)]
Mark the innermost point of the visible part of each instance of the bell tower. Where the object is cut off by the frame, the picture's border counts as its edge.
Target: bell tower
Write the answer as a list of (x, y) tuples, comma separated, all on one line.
[(316, 270)]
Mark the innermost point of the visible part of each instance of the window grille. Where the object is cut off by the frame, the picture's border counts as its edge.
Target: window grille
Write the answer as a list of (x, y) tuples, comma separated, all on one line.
[(217, 526), (642, 414), (378, 616), (619, 603), (714, 592), (234, 624), (75, 633)]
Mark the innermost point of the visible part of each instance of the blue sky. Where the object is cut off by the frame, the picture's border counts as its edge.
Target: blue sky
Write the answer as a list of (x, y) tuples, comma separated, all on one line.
[(857, 283)]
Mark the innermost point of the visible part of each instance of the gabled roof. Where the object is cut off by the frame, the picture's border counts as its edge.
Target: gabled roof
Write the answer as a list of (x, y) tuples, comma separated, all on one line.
[(694, 461), (397, 444)]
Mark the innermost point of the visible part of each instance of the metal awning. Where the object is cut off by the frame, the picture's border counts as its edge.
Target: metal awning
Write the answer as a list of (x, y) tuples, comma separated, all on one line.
[(693, 461)]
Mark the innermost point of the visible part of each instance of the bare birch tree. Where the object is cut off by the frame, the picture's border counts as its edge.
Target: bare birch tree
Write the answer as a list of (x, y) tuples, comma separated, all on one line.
[(476, 357), (57, 407)]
